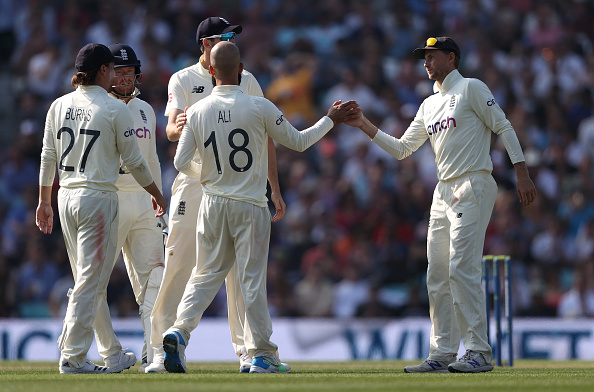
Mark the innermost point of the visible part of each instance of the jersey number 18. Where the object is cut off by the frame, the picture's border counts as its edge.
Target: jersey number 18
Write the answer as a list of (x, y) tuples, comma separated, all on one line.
[(246, 140)]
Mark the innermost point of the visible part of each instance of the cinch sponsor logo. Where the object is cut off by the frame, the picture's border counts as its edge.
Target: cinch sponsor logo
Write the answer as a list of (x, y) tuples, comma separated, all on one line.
[(280, 120), (139, 133), (491, 102), (441, 125)]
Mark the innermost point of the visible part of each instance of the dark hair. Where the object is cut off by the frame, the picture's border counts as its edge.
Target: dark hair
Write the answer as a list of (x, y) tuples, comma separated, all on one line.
[(85, 78)]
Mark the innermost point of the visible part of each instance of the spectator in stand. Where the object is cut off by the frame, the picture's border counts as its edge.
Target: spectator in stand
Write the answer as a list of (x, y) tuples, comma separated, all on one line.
[(579, 300)]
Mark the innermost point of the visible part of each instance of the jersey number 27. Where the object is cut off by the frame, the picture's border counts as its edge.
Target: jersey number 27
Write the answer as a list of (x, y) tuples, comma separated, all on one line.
[(83, 162)]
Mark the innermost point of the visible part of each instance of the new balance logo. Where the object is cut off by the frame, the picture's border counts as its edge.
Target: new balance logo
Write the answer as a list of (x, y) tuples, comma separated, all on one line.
[(181, 207), (434, 365), (198, 89), (143, 116), (474, 363), (459, 215)]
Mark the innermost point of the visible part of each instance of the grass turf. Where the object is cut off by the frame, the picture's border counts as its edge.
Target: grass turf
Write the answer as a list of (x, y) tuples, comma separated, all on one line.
[(367, 376)]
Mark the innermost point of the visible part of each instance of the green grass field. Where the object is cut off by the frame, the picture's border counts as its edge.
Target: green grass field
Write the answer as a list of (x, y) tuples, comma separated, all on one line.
[(368, 376)]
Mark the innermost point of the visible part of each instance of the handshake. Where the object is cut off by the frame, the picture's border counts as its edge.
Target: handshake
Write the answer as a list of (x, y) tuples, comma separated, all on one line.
[(349, 113)]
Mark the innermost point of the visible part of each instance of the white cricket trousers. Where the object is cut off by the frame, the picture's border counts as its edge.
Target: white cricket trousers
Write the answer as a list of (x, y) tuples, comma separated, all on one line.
[(141, 240), (180, 260), (89, 221), (460, 214), (231, 233)]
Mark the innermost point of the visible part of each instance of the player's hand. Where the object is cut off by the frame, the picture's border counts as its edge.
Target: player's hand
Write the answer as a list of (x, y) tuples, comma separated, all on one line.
[(341, 112), (44, 218), (180, 120), (279, 204), (160, 205), (526, 190), (356, 122)]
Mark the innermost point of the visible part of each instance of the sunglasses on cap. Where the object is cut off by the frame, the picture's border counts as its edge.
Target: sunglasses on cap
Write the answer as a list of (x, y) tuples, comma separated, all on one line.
[(224, 37)]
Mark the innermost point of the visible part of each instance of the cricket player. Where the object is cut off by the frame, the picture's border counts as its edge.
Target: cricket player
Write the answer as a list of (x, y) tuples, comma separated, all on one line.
[(229, 132), (86, 134), (140, 233), (458, 120), (187, 87)]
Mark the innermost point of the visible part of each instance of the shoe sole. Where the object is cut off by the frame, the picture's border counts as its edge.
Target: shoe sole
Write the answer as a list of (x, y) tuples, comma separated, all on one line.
[(75, 371), (429, 371), (156, 371), (245, 370), (172, 361), (477, 370), (259, 370)]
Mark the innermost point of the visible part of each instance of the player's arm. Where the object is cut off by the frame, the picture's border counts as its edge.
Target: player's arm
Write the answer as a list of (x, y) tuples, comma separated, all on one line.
[(284, 133), (413, 138), (44, 215), (487, 109), (275, 193), (175, 124), (186, 149), (153, 158), (175, 107)]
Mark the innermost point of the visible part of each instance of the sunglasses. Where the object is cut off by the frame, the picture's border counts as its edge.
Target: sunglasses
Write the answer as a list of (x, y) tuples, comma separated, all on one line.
[(224, 37)]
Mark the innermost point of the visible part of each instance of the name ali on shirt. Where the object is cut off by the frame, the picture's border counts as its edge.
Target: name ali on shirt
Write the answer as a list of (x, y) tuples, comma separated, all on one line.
[(224, 116)]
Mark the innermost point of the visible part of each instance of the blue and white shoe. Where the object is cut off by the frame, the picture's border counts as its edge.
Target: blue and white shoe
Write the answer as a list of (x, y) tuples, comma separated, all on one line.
[(261, 365), (471, 362), (175, 352), (431, 366), (245, 361)]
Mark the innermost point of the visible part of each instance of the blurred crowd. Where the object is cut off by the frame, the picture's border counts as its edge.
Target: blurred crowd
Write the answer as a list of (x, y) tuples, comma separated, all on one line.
[(353, 242)]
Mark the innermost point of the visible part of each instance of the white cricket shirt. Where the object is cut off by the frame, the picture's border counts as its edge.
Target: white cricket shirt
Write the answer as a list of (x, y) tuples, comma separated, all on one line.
[(229, 131), (458, 120), (85, 133), (190, 85), (144, 130)]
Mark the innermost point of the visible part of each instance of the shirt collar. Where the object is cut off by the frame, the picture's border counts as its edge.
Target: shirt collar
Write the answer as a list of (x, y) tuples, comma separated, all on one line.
[(448, 82), (89, 88), (226, 88)]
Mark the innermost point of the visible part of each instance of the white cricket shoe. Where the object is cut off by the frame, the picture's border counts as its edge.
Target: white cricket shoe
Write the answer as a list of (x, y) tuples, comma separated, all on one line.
[(431, 366), (471, 362), (120, 361), (157, 366), (245, 361), (175, 352), (88, 368)]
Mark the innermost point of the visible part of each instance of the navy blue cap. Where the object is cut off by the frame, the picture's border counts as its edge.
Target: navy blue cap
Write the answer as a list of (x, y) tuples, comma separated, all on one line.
[(440, 43), (215, 26), (93, 56)]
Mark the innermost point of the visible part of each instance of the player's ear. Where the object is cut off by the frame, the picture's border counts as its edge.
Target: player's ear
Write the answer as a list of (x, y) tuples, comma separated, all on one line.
[(240, 67), (211, 70)]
